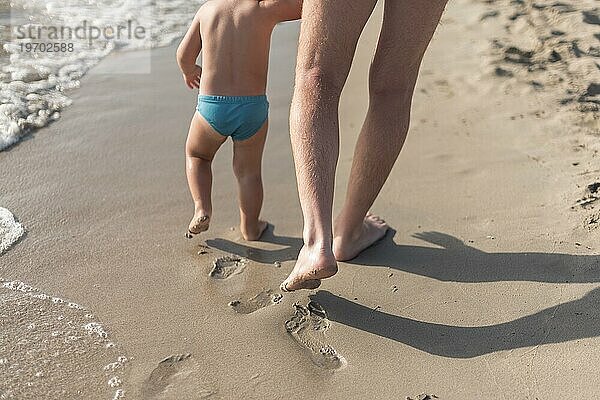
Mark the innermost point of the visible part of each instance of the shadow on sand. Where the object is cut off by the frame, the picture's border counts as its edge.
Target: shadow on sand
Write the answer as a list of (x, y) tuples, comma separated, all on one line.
[(289, 252), (455, 261), (576, 319), (451, 261)]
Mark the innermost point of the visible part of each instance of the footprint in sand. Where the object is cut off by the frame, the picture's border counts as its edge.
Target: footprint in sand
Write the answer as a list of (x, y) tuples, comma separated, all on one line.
[(559, 56), (165, 376), (591, 195), (423, 397), (263, 299), (203, 249), (591, 17), (225, 267), (592, 221), (307, 327)]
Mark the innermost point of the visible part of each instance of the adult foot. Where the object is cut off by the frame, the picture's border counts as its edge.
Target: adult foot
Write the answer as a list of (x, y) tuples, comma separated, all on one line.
[(348, 243), (313, 265), (199, 224), (254, 232)]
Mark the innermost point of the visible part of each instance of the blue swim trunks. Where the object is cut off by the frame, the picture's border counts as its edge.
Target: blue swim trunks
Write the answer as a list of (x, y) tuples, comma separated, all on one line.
[(237, 116)]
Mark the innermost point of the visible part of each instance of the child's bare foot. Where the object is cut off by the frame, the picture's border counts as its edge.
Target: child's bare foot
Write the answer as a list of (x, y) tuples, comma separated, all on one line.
[(255, 231), (313, 265), (199, 224), (348, 244)]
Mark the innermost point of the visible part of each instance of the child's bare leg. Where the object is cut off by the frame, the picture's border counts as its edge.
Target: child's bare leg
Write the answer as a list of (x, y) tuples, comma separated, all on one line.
[(200, 148), (247, 165)]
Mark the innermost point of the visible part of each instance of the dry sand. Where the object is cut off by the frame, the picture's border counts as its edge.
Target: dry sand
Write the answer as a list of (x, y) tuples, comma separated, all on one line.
[(486, 288)]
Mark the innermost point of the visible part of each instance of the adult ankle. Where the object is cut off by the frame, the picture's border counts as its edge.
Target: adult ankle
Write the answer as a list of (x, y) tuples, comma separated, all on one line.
[(345, 228), (316, 244)]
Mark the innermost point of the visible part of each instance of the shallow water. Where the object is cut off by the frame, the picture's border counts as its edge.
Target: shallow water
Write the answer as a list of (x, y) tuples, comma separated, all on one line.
[(54, 349), (48, 46)]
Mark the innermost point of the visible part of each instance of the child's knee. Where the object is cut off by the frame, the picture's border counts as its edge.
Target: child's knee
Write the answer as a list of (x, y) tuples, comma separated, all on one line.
[(243, 169), (247, 175), (194, 152)]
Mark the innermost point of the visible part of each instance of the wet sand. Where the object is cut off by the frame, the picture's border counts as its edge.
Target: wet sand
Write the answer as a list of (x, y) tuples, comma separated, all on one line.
[(485, 288)]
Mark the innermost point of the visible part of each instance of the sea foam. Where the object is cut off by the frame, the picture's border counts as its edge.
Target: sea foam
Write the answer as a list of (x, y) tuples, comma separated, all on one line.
[(50, 349), (10, 230), (34, 86)]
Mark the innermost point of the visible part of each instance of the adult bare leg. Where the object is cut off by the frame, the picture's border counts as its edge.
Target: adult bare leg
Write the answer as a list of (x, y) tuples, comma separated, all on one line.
[(328, 39), (405, 34)]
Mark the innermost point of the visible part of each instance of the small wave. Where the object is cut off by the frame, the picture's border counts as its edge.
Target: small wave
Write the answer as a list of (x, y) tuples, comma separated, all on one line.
[(34, 85), (10, 230), (51, 348)]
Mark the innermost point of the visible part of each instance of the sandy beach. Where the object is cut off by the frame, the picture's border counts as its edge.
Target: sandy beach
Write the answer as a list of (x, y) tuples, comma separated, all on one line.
[(486, 287)]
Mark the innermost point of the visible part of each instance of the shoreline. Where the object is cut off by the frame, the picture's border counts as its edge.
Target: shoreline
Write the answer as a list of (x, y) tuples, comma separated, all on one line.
[(41, 68)]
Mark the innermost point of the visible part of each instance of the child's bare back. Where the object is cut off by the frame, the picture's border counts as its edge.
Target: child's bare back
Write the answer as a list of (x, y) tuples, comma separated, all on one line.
[(235, 55), (235, 42), (234, 37)]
